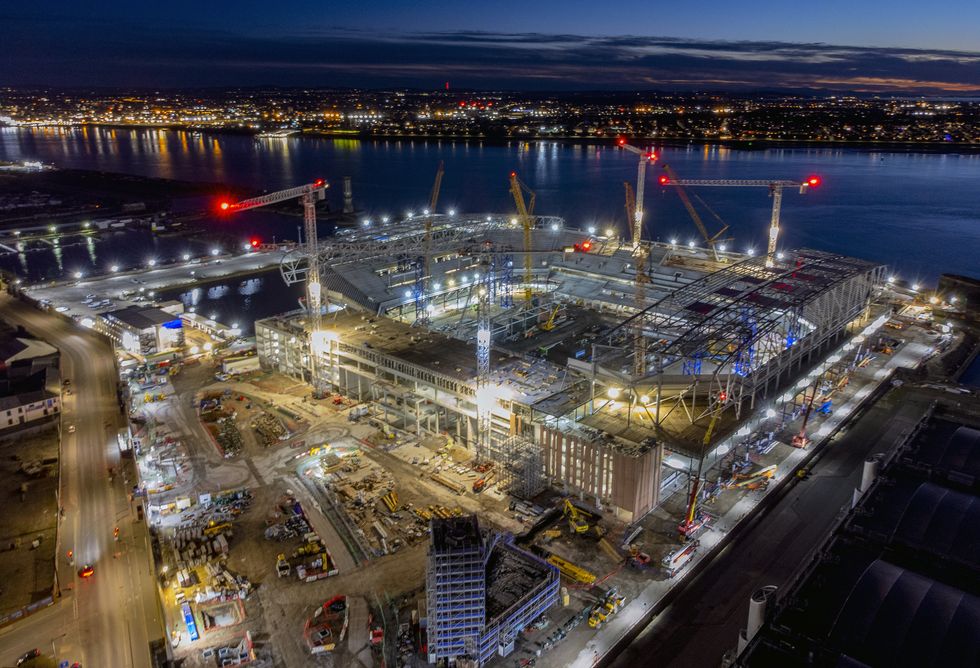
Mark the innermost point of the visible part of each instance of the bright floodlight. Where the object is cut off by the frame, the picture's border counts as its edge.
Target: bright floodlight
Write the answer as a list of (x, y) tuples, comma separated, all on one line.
[(673, 242), (952, 300), (513, 221), (186, 257), (151, 262), (213, 316), (722, 247), (436, 286), (779, 255), (613, 392), (410, 214), (555, 227), (367, 222), (215, 251), (78, 274), (591, 229), (690, 244), (425, 212), (114, 268), (751, 251), (891, 279), (384, 219), (408, 293), (770, 412), (610, 232), (452, 212), (915, 287), (644, 399)]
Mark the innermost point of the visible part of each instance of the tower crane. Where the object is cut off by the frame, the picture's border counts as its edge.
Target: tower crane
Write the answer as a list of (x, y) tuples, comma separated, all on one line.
[(640, 253), (775, 191), (646, 157), (524, 211), (423, 266), (309, 194), (670, 179)]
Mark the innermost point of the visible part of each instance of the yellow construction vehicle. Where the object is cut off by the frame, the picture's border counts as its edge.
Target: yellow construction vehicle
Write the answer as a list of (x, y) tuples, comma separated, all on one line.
[(551, 534), (282, 566), (570, 570), (550, 324), (576, 518), (598, 615), (215, 529)]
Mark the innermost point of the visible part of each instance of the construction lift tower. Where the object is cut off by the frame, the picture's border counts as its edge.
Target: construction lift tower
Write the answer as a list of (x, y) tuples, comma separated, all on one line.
[(646, 157), (309, 194), (775, 191), (524, 211)]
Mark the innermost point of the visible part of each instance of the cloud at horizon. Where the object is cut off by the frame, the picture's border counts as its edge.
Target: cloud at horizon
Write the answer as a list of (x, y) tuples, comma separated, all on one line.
[(83, 54)]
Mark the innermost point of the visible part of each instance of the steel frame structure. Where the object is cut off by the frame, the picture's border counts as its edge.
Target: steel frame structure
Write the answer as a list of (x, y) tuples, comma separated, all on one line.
[(723, 341), (406, 238)]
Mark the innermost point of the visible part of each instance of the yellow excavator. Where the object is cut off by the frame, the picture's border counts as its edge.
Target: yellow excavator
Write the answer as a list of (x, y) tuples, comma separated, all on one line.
[(576, 518)]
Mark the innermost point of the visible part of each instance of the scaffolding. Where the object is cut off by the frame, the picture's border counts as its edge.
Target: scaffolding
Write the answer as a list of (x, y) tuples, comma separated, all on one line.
[(455, 588), (521, 467)]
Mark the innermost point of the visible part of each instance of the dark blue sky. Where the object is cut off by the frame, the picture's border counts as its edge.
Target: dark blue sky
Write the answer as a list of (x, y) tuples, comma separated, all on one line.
[(865, 45)]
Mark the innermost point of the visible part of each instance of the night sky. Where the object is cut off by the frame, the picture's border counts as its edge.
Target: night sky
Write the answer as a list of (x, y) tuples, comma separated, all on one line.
[(834, 45)]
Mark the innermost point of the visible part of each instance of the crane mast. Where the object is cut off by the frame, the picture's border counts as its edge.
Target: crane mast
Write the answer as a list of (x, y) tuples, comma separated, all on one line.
[(639, 291), (309, 194), (646, 157), (775, 188), (517, 190)]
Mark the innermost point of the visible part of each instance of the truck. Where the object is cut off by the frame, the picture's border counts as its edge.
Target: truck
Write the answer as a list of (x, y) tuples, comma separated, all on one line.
[(674, 562)]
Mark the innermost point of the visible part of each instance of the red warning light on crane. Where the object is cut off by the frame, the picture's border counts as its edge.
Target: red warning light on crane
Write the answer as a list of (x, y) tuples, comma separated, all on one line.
[(254, 242), (513, 174), (813, 181), (318, 183), (224, 206), (621, 141), (664, 179), (722, 396)]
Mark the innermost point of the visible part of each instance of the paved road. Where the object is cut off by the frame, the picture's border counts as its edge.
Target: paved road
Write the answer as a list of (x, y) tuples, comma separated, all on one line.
[(151, 280), (109, 619), (703, 622)]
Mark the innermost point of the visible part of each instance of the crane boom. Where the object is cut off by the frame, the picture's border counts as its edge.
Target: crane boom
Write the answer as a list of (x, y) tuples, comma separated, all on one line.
[(434, 196), (517, 189), (708, 239), (775, 187), (309, 194)]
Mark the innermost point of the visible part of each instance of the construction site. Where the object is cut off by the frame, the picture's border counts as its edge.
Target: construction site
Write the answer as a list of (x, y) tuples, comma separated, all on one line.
[(561, 356), (508, 428)]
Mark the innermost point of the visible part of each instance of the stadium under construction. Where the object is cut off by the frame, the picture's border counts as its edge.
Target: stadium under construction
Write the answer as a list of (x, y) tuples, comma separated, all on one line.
[(605, 366)]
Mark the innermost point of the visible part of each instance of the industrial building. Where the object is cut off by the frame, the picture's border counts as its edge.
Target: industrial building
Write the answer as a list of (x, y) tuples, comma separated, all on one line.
[(143, 330), (481, 591), (896, 584), (565, 363)]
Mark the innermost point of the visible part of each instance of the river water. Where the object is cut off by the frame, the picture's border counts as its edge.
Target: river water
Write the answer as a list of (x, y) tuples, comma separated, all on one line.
[(917, 212)]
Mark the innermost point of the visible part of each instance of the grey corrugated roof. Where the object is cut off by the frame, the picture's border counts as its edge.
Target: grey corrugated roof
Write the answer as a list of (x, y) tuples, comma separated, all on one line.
[(895, 617), (942, 521)]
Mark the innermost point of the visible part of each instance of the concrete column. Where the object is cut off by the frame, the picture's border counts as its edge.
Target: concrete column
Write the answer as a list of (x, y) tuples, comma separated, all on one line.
[(868, 475), (758, 607)]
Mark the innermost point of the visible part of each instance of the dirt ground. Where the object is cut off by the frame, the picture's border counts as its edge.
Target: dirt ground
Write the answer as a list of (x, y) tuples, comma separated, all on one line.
[(30, 512)]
